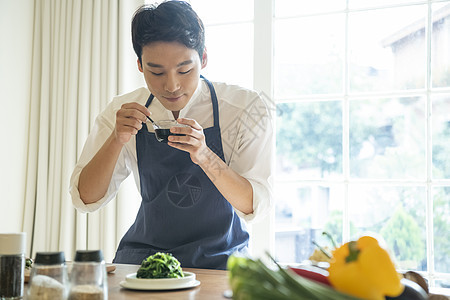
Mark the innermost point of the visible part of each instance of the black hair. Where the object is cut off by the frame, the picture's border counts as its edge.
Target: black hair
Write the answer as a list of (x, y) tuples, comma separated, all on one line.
[(170, 21)]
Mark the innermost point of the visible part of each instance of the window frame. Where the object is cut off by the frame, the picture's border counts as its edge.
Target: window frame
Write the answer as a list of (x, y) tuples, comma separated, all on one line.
[(264, 20)]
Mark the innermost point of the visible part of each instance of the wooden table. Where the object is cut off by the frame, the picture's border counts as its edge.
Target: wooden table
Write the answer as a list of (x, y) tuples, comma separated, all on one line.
[(213, 283)]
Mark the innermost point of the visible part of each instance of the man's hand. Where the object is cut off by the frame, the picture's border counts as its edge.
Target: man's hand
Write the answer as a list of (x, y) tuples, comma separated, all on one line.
[(236, 189), (193, 140), (129, 119), (96, 175)]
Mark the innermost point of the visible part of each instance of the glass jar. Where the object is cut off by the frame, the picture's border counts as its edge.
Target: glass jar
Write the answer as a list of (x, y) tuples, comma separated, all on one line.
[(12, 265), (48, 279), (88, 279)]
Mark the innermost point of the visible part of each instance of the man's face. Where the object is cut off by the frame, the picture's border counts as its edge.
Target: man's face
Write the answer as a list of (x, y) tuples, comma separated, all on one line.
[(171, 71)]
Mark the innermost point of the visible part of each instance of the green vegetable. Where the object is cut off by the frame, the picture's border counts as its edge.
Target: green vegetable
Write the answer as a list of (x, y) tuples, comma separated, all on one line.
[(28, 263), (328, 235), (160, 265), (252, 279)]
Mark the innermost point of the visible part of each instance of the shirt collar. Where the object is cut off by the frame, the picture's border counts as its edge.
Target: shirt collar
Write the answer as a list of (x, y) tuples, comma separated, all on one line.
[(193, 100), (160, 112)]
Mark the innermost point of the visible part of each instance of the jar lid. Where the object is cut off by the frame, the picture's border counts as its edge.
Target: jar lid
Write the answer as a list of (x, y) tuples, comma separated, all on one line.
[(49, 258), (13, 243), (89, 255)]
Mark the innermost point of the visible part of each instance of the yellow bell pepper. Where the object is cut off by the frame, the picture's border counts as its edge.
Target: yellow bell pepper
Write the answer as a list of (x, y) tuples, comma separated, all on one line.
[(363, 269)]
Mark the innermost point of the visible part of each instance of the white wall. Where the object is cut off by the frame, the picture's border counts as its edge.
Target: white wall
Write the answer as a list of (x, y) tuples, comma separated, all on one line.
[(16, 27)]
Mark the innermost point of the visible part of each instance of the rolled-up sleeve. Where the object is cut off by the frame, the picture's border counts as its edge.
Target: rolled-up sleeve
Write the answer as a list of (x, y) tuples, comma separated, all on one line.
[(100, 132), (252, 155)]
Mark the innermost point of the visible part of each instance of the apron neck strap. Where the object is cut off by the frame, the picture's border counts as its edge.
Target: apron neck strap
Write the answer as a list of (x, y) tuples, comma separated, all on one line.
[(149, 100), (212, 91)]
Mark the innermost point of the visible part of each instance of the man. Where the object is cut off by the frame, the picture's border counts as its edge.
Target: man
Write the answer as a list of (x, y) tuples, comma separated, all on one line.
[(214, 173)]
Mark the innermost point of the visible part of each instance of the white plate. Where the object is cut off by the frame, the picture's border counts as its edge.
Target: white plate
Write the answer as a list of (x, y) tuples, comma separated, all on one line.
[(188, 281)]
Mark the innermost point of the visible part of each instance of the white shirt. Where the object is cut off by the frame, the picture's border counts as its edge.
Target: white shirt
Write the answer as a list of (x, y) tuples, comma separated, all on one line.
[(246, 131)]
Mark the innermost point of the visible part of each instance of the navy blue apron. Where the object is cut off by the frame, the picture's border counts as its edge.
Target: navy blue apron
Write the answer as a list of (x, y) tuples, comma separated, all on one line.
[(181, 212)]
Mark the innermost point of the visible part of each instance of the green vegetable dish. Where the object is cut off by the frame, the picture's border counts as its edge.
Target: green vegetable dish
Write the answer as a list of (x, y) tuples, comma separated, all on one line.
[(160, 265)]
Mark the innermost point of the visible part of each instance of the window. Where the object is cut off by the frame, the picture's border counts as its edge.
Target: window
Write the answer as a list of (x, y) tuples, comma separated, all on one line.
[(362, 89), (363, 128), (229, 59)]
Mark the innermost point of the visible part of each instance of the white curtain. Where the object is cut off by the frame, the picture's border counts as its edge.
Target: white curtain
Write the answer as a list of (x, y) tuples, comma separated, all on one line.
[(81, 57)]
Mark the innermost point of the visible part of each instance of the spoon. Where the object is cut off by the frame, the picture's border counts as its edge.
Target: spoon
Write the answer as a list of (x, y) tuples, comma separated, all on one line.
[(153, 123)]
